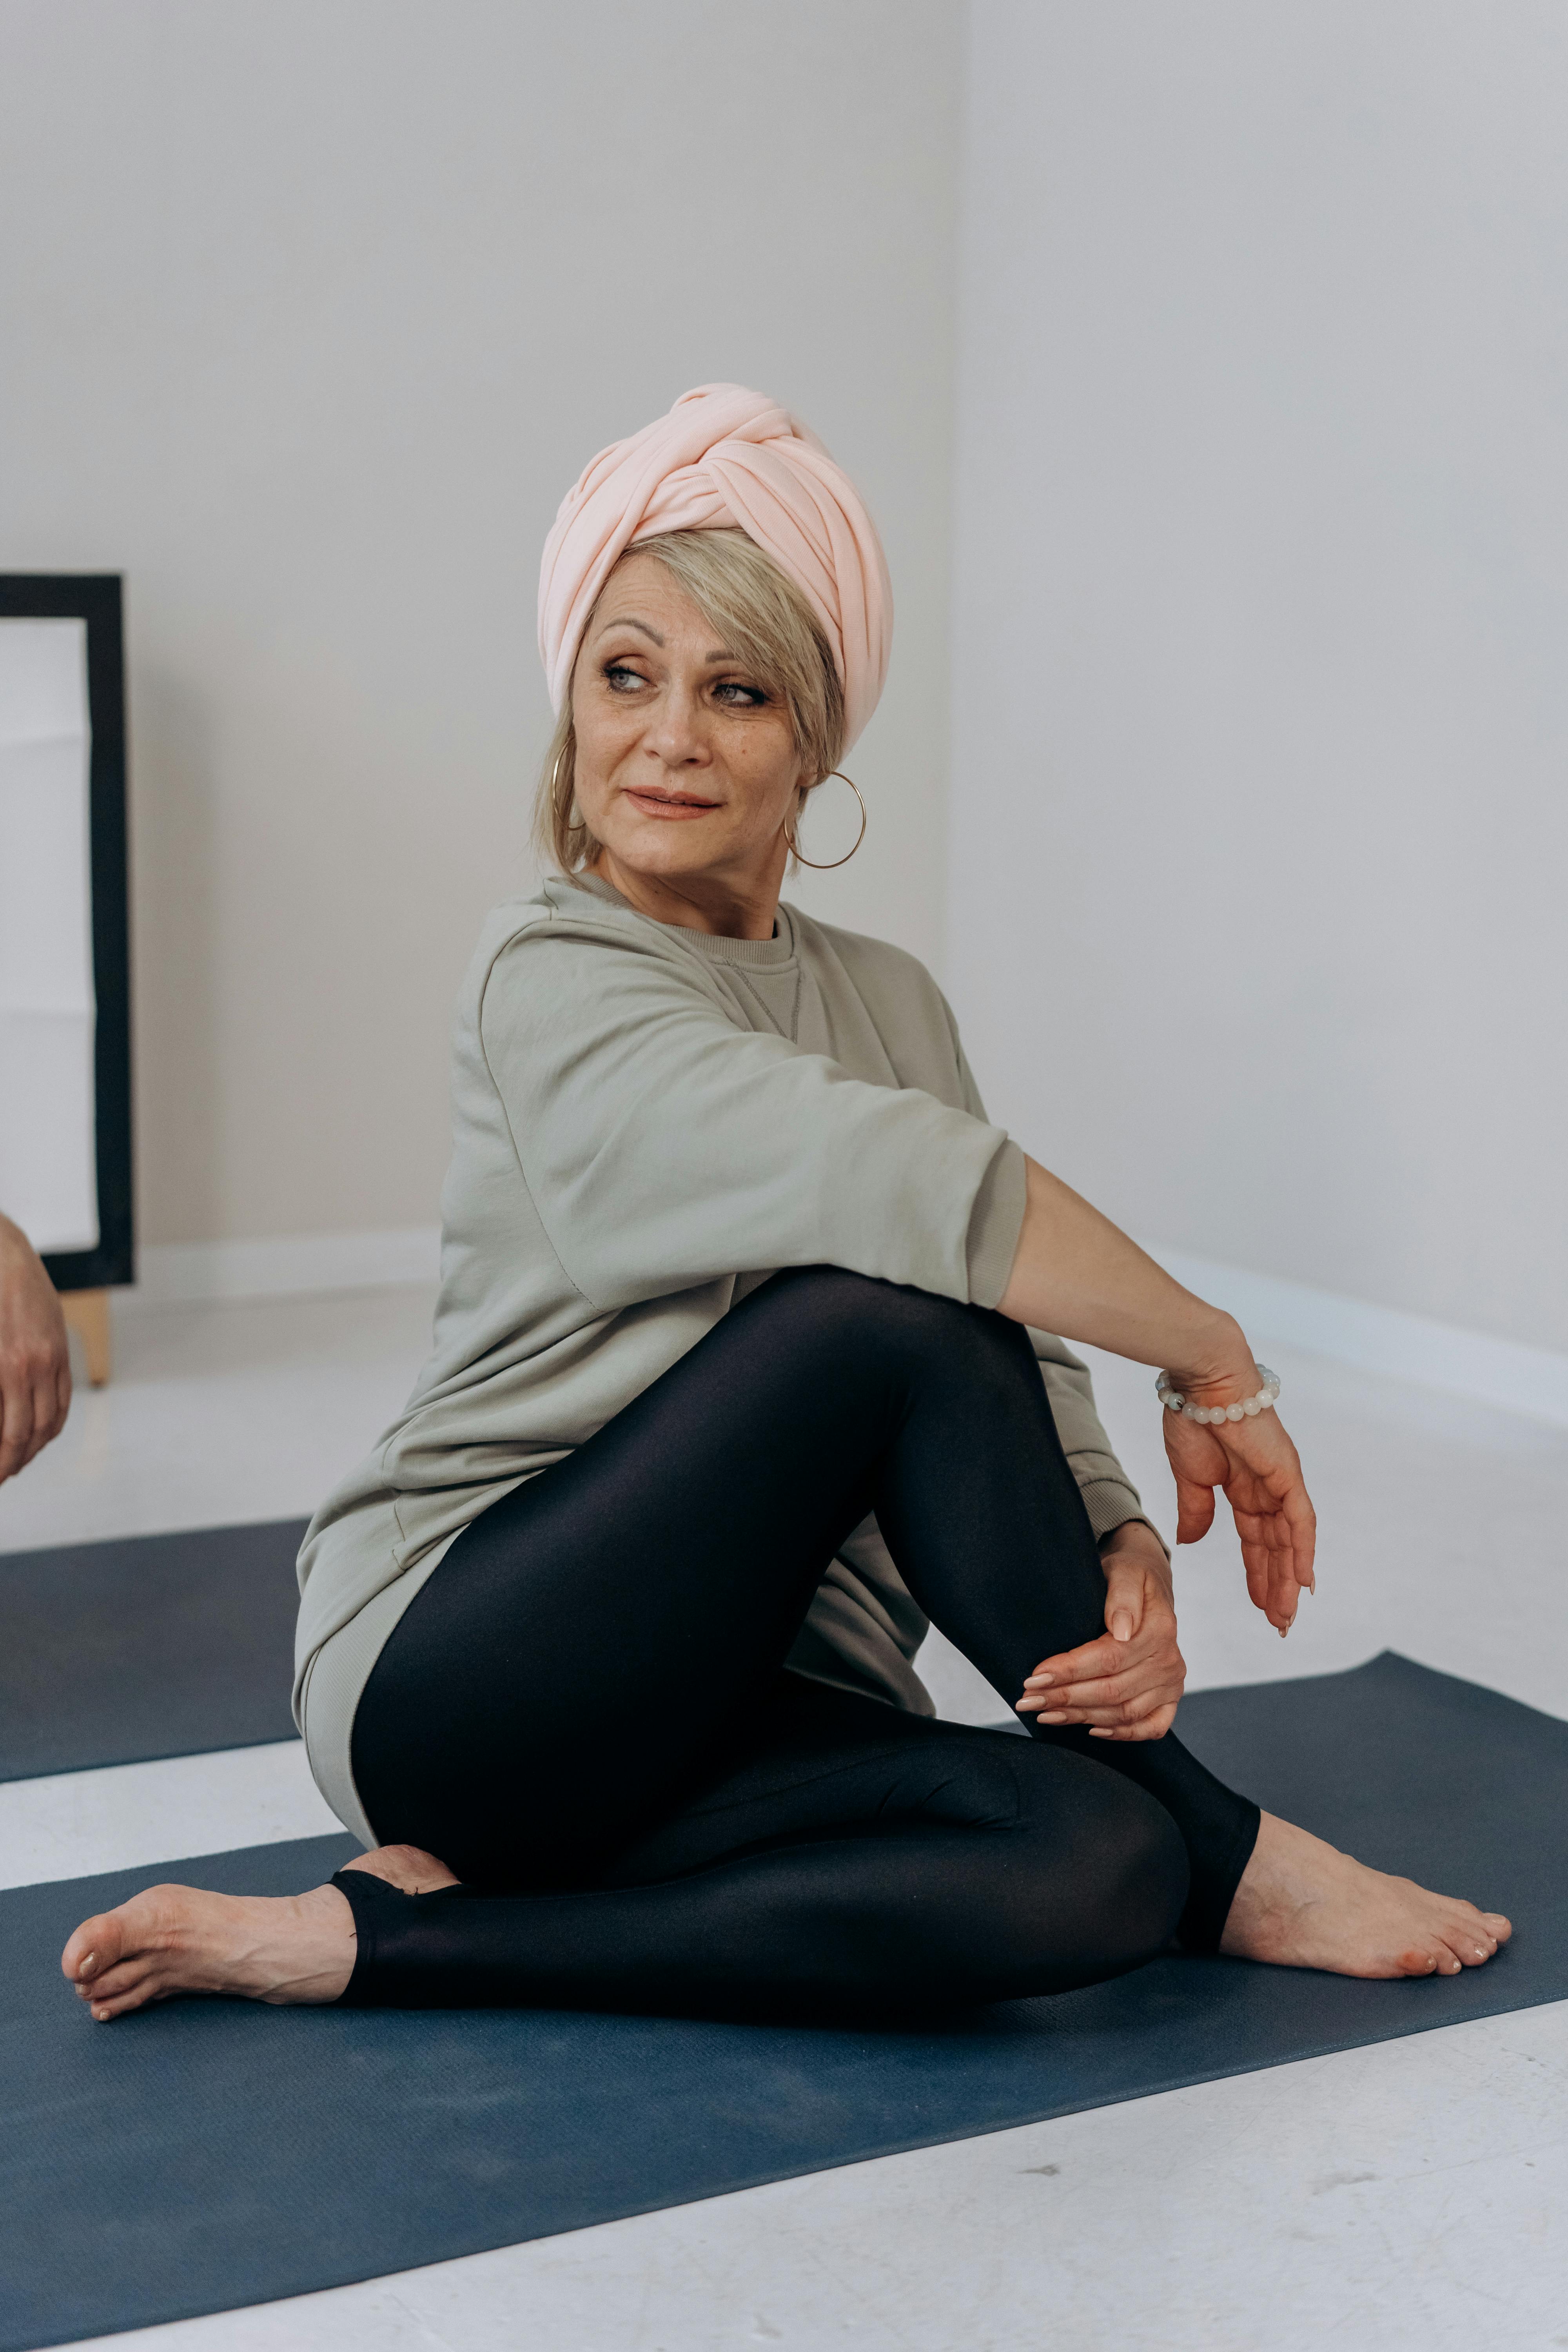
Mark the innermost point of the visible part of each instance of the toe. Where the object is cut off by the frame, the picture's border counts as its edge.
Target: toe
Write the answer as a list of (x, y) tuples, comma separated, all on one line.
[(104, 2009), (116, 1984), (96, 1946), (1468, 1939)]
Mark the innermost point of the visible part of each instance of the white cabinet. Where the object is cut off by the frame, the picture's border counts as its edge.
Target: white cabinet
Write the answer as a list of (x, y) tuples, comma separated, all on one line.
[(48, 1173), (65, 1029)]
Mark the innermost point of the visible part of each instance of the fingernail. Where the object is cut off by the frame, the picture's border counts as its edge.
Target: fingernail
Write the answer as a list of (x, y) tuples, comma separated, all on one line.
[(1058, 1718), (1037, 1682), (1122, 1626)]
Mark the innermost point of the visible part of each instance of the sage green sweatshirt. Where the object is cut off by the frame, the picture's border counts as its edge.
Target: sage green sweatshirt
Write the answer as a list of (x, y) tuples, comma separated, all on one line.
[(646, 1123)]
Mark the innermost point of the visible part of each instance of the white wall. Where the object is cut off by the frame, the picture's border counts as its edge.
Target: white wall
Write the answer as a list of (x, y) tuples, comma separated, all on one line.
[(312, 309), (1259, 805)]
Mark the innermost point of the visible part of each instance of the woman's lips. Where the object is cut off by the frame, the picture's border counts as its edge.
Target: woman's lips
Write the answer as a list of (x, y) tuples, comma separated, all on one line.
[(657, 804)]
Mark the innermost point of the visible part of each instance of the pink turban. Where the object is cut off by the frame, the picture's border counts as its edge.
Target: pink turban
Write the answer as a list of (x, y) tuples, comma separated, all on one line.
[(725, 458)]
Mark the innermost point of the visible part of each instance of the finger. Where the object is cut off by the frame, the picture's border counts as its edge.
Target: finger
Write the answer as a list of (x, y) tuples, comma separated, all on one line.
[(1091, 1659), (52, 1398), (1266, 1555), (1153, 1726), (44, 1407), (1121, 1718), (1154, 1648), (1285, 1592), (1195, 1509), (1303, 1521), (1252, 1529), (15, 1420), (1111, 1704), (1160, 1674), (1124, 1598)]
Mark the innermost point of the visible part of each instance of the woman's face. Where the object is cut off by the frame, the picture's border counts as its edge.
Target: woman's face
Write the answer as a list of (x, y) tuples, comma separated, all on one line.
[(687, 767)]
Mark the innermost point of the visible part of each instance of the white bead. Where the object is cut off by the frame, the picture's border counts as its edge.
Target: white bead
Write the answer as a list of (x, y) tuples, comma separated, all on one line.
[(1234, 1413), (1252, 1406)]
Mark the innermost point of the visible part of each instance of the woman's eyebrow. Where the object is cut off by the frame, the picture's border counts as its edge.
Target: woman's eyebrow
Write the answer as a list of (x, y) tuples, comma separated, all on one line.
[(627, 621)]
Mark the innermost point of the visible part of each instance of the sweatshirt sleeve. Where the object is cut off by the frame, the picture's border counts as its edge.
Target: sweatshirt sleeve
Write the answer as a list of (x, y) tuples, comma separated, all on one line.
[(1110, 1496), (665, 1146)]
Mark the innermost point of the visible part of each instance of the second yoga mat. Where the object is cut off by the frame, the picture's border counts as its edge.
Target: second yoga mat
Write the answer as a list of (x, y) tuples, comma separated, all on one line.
[(148, 1645), (211, 2154)]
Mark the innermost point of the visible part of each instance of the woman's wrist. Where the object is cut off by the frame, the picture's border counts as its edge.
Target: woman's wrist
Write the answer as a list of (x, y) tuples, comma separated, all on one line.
[(1220, 1370)]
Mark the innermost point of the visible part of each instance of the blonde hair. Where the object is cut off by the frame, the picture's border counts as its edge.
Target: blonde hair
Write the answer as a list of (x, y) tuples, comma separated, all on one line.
[(764, 620)]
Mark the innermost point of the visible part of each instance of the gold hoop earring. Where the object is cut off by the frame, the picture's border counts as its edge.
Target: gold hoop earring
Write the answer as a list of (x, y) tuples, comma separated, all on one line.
[(827, 865)]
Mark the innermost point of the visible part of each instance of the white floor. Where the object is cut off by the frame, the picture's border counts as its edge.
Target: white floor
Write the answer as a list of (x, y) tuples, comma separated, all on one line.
[(1407, 2195)]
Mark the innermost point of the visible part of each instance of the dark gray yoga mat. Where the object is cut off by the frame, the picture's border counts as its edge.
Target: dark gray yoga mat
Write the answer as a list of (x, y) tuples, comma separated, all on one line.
[(211, 2154), (150, 1645)]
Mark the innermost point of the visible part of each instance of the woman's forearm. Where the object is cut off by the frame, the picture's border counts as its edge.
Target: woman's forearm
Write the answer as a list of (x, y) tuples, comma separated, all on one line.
[(1076, 1272)]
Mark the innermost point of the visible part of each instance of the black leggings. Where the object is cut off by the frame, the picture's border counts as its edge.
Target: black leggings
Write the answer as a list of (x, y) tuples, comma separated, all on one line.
[(585, 1711)]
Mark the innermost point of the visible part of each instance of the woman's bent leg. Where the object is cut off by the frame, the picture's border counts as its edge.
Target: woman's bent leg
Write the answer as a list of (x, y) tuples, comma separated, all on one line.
[(844, 1857), (589, 1645), (588, 1642)]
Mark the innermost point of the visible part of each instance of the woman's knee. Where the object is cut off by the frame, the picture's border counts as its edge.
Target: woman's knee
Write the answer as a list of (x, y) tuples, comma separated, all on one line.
[(920, 1326)]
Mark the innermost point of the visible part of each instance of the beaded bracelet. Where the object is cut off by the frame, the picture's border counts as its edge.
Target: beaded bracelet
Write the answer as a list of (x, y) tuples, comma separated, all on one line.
[(1175, 1401)]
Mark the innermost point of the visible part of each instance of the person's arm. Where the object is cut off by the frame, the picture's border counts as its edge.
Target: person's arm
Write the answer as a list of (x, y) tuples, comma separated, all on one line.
[(35, 1364), (1076, 1272)]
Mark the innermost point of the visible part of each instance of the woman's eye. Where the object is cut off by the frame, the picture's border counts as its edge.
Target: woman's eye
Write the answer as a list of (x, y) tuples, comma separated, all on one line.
[(739, 696), (620, 679)]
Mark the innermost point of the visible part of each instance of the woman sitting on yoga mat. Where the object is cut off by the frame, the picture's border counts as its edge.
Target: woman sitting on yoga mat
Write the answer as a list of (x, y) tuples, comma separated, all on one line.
[(741, 1376)]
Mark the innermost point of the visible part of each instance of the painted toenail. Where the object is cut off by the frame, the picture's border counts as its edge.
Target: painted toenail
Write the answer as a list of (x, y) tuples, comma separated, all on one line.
[(88, 1964)]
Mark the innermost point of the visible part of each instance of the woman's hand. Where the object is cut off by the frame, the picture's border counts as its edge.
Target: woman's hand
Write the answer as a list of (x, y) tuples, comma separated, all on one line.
[(1127, 1685), (1261, 1471), (35, 1364)]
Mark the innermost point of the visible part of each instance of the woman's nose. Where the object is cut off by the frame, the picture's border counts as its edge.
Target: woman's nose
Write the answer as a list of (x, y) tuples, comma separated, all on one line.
[(677, 734)]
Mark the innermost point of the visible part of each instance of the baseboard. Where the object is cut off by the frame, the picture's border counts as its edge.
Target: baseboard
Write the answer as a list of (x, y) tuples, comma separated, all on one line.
[(187, 1271), (1503, 1372)]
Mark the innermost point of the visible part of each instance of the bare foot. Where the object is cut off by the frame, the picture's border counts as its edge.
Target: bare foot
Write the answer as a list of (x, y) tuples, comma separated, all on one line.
[(1304, 1905), (174, 1939), (407, 1867)]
